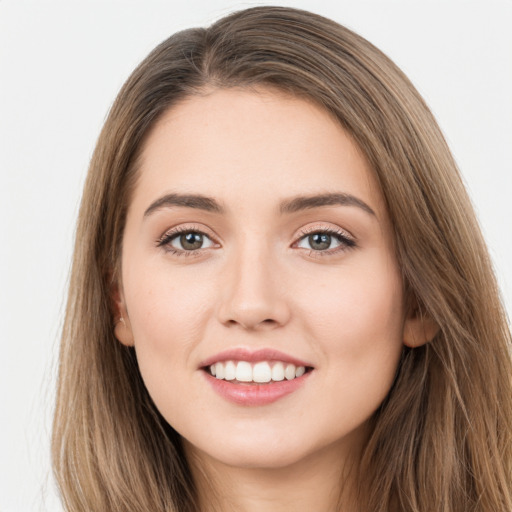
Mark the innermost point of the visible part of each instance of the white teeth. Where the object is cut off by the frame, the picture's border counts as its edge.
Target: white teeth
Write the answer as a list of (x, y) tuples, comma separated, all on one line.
[(262, 372), (300, 371), (230, 371), (289, 372), (219, 371), (278, 372), (243, 371)]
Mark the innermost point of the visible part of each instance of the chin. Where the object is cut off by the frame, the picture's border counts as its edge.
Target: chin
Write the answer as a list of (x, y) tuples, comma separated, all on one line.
[(270, 450), (259, 458), (248, 449)]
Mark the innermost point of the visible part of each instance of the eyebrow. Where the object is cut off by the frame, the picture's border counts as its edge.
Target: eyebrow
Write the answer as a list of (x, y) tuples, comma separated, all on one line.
[(196, 201), (300, 203), (296, 204)]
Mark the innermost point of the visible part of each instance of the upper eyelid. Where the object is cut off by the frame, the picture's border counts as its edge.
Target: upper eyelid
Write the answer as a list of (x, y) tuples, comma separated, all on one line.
[(186, 228), (320, 228)]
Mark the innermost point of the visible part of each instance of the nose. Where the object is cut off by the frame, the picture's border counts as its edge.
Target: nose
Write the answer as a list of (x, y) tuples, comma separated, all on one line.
[(254, 294)]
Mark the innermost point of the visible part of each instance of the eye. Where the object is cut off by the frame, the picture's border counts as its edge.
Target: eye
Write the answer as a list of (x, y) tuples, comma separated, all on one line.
[(327, 241), (183, 241)]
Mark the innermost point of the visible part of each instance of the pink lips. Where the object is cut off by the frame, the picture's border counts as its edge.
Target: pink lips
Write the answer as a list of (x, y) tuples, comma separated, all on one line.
[(253, 356), (252, 394)]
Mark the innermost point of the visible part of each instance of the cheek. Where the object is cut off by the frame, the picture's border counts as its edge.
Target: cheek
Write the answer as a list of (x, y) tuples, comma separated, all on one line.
[(356, 317), (169, 313)]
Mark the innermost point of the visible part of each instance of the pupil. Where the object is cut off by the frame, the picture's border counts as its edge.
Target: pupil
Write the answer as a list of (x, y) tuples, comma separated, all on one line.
[(191, 241), (320, 241)]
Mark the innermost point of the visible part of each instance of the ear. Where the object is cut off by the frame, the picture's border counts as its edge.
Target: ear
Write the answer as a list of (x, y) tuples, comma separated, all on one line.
[(419, 329), (122, 326)]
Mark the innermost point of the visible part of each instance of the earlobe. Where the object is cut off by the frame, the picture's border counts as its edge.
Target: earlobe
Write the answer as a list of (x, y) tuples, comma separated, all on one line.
[(123, 331), (418, 330), (122, 326)]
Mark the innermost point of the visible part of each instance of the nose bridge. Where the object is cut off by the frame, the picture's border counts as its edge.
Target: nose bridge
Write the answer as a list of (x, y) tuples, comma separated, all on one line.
[(253, 296)]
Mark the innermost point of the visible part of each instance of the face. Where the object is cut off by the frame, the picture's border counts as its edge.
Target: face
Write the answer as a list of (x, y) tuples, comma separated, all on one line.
[(257, 248)]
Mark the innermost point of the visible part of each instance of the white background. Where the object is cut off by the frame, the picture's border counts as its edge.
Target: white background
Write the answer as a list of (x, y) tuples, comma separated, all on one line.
[(61, 65)]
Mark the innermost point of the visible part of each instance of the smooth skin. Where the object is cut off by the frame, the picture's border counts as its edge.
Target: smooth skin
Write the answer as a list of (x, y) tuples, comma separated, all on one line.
[(243, 271)]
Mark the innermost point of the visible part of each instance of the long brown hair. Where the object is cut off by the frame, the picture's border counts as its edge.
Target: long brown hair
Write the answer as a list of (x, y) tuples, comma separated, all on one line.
[(442, 439)]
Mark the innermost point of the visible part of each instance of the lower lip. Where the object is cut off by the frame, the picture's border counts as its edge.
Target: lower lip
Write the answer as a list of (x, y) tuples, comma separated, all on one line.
[(251, 394)]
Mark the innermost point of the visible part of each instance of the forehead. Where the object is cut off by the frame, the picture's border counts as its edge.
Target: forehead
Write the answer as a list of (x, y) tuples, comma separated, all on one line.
[(258, 145)]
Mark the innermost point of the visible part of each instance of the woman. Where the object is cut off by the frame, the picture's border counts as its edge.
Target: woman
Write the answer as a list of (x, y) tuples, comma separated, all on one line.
[(280, 297)]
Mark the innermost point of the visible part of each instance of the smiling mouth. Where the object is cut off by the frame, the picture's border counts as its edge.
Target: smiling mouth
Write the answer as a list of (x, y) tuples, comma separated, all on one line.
[(260, 372)]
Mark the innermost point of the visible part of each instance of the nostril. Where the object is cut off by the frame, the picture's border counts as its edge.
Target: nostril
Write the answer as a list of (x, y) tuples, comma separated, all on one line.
[(268, 322)]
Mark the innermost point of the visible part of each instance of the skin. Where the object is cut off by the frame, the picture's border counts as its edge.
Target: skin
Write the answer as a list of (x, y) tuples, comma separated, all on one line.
[(257, 283)]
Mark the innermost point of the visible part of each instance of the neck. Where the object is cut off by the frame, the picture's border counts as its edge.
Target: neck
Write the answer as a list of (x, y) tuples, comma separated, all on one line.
[(322, 482)]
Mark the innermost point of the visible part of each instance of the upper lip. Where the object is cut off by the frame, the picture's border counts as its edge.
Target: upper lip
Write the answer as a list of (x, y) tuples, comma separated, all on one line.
[(253, 356)]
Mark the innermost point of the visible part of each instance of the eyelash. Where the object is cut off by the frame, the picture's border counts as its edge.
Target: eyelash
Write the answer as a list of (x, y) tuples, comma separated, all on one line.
[(346, 242), (165, 240)]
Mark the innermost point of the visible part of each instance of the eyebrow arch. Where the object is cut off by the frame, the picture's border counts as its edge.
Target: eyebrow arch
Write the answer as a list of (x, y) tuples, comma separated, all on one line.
[(331, 199), (293, 205), (197, 201)]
